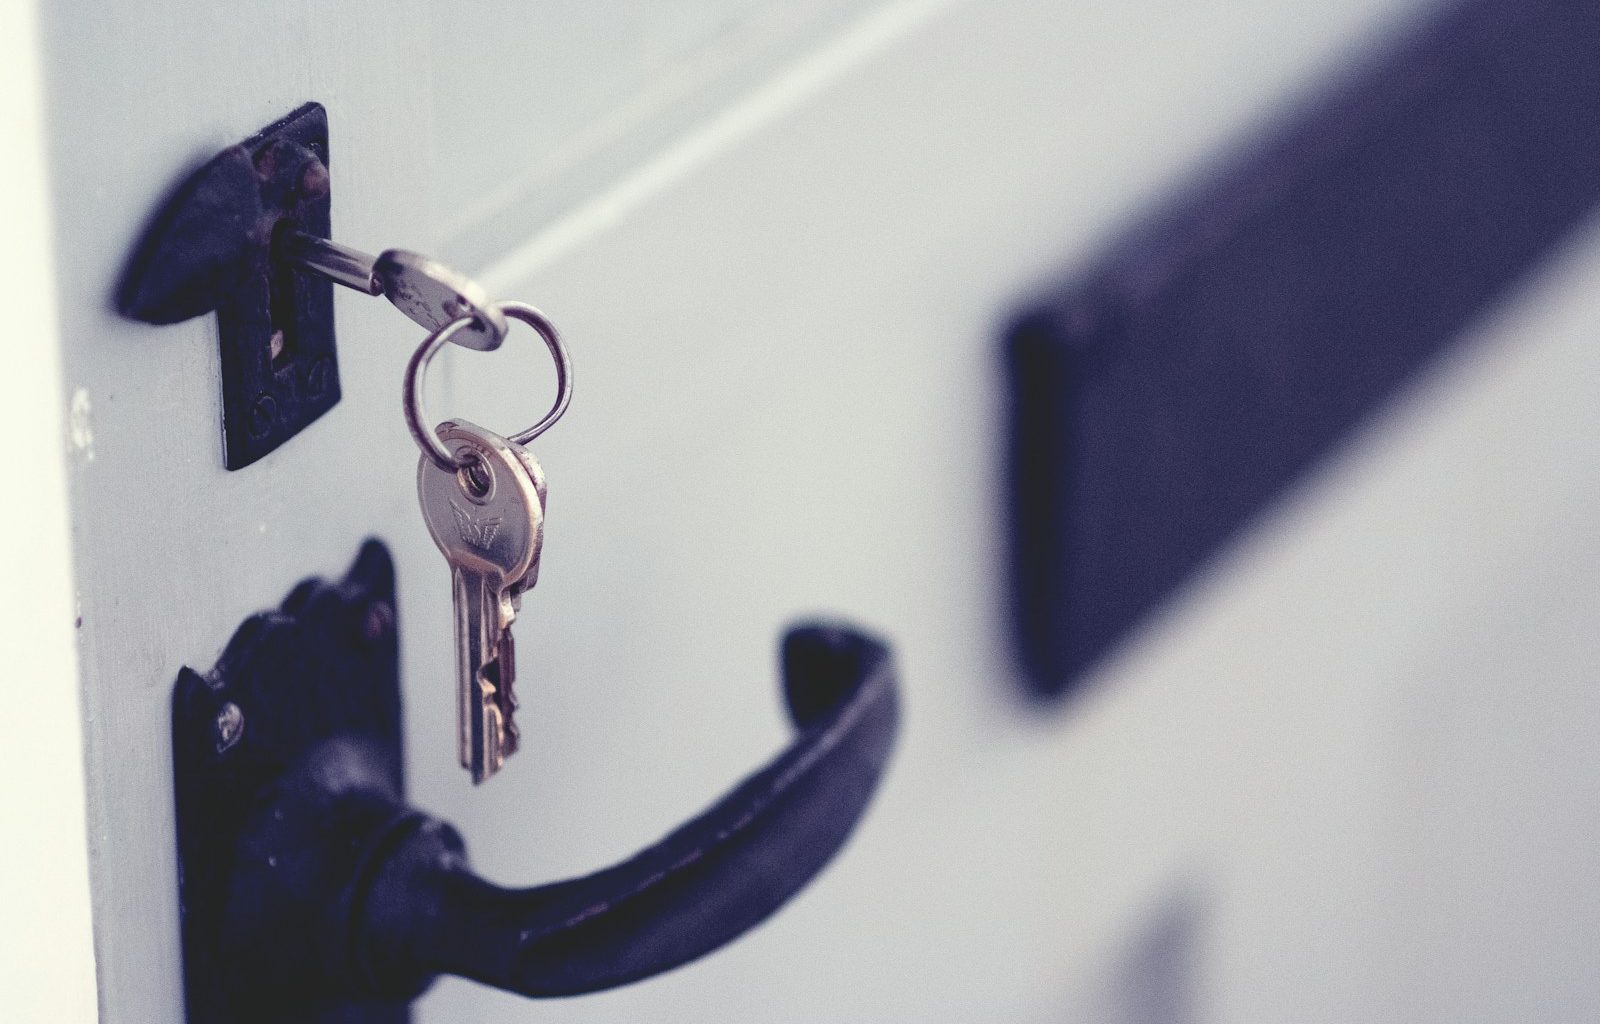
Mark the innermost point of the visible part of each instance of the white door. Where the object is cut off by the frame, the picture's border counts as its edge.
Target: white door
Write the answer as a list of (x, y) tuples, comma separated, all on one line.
[(781, 239)]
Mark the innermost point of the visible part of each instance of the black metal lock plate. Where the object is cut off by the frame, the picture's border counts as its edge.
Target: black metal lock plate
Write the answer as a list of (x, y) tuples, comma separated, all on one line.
[(210, 249)]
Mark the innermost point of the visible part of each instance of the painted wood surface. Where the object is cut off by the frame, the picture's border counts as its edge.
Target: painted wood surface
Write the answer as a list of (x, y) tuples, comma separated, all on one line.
[(784, 321)]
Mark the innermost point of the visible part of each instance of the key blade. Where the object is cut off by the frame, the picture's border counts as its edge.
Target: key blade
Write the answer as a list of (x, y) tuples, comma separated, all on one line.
[(486, 669)]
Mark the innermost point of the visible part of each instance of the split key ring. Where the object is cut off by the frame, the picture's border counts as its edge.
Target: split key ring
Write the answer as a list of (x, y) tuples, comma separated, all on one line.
[(417, 368)]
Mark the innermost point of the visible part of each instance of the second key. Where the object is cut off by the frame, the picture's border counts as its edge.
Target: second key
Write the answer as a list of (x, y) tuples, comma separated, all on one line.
[(488, 520)]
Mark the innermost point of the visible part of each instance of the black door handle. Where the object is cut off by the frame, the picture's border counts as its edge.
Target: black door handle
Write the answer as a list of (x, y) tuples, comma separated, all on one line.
[(699, 888), (312, 892)]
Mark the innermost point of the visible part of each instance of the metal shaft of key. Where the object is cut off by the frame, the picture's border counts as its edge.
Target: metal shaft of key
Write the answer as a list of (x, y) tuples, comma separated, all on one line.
[(424, 289), (340, 264), (486, 671)]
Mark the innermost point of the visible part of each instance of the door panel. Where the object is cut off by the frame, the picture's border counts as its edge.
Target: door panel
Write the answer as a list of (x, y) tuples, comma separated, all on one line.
[(783, 308), (540, 104)]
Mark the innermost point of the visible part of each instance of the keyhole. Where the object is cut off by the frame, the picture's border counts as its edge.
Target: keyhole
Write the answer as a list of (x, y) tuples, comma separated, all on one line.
[(281, 309)]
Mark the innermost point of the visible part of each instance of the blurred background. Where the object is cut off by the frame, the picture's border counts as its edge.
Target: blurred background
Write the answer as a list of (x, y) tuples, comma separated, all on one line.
[(1201, 397)]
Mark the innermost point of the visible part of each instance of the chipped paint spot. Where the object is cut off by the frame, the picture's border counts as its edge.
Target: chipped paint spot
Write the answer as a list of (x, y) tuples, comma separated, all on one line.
[(79, 431)]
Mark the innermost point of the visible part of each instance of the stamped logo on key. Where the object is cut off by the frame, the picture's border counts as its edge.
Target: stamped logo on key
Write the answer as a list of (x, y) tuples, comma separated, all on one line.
[(478, 532)]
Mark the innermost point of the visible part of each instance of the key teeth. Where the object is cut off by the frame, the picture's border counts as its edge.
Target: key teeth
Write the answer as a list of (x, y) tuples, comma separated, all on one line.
[(507, 735), (505, 696), (496, 705), (510, 735)]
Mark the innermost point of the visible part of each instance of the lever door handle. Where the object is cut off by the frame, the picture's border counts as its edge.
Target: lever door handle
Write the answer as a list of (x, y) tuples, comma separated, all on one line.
[(699, 888), (313, 892)]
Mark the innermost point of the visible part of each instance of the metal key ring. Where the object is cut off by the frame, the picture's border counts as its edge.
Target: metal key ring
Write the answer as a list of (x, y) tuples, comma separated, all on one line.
[(426, 439)]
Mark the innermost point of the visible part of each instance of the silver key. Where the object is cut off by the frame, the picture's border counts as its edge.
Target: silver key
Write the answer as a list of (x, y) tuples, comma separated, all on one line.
[(424, 289), (432, 295), (488, 520)]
